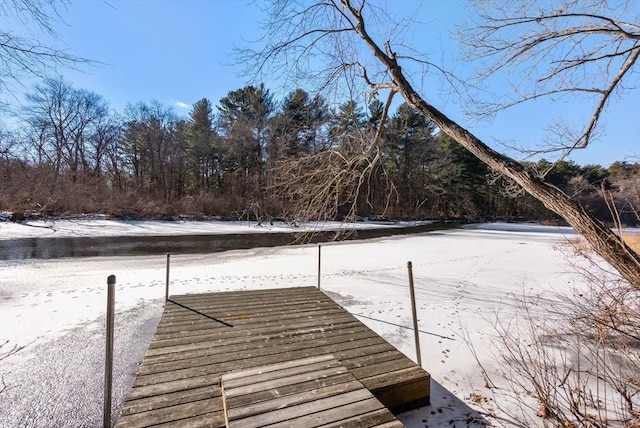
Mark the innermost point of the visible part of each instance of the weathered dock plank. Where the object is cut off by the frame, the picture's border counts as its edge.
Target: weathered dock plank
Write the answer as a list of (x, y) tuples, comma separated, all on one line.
[(269, 395), (178, 382)]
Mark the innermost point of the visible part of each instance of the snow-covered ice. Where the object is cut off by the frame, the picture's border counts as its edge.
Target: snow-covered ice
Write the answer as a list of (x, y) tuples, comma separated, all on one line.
[(95, 227), (463, 279)]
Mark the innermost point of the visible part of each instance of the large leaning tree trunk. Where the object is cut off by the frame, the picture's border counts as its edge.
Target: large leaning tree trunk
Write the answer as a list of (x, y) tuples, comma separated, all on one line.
[(606, 243), (318, 22)]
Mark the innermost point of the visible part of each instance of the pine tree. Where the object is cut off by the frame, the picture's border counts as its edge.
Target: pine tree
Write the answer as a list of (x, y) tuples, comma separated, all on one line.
[(296, 129), (202, 151), (245, 117)]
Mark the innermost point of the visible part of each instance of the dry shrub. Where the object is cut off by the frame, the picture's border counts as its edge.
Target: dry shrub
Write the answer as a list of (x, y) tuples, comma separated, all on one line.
[(206, 205), (581, 247), (577, 353), (632, 240), (330, 184), (40, 190)]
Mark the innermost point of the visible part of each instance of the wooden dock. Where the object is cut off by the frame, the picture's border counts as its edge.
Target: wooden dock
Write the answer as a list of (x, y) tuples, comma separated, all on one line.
[(194, 357)]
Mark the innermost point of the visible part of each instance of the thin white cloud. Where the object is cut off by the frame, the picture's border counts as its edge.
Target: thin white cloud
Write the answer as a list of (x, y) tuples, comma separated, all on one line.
[(180, 104)]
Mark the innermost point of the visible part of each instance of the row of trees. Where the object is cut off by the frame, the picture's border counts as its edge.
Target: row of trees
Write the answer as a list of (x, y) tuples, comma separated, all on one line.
[(229, 161)]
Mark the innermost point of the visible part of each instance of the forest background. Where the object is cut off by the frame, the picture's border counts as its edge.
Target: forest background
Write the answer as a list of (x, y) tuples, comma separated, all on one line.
[(68, 153), (66, 150)]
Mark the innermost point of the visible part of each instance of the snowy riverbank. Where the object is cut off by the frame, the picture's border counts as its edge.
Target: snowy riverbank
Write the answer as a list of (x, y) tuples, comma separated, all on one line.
[(99, 227)]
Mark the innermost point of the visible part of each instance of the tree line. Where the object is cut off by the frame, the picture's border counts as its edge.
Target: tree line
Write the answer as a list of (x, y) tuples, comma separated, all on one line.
[(70, 153)]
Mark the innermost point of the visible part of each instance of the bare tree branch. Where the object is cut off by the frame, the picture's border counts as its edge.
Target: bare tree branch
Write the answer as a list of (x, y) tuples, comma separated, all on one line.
[(556, 48), (25, 57)]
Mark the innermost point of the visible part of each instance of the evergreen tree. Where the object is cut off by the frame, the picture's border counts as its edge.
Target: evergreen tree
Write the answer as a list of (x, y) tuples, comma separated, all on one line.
[(245, 116), (297, 129), (346, 131), (409, 146), (376, 108), (201, 147), (462, 182)]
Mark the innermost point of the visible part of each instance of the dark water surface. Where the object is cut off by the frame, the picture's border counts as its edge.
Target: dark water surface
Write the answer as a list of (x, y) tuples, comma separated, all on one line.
[(50, 248)]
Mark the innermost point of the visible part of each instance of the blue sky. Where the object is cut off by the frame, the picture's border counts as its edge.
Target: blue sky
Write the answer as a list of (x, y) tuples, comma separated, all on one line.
[(179, 51)]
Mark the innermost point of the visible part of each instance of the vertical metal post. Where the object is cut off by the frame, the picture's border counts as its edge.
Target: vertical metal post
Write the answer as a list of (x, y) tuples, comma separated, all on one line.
[(414, 313), (108, 362), (166, 292), (319, 263)]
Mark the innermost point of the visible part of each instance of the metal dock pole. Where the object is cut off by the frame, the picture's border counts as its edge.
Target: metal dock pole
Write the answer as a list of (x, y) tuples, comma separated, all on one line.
[(108, 363), (414, 313)]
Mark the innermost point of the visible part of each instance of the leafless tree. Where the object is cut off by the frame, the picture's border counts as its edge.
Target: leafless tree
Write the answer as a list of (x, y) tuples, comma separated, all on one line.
[(25, 56), (347, 41), (330, 183), (334, 181), (556, 49), (153, 136), (69, 127), (7, 142)]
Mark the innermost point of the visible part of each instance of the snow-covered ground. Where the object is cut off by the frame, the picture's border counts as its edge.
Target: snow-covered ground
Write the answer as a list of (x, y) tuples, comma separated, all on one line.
[(94, 227), (464, 278)]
